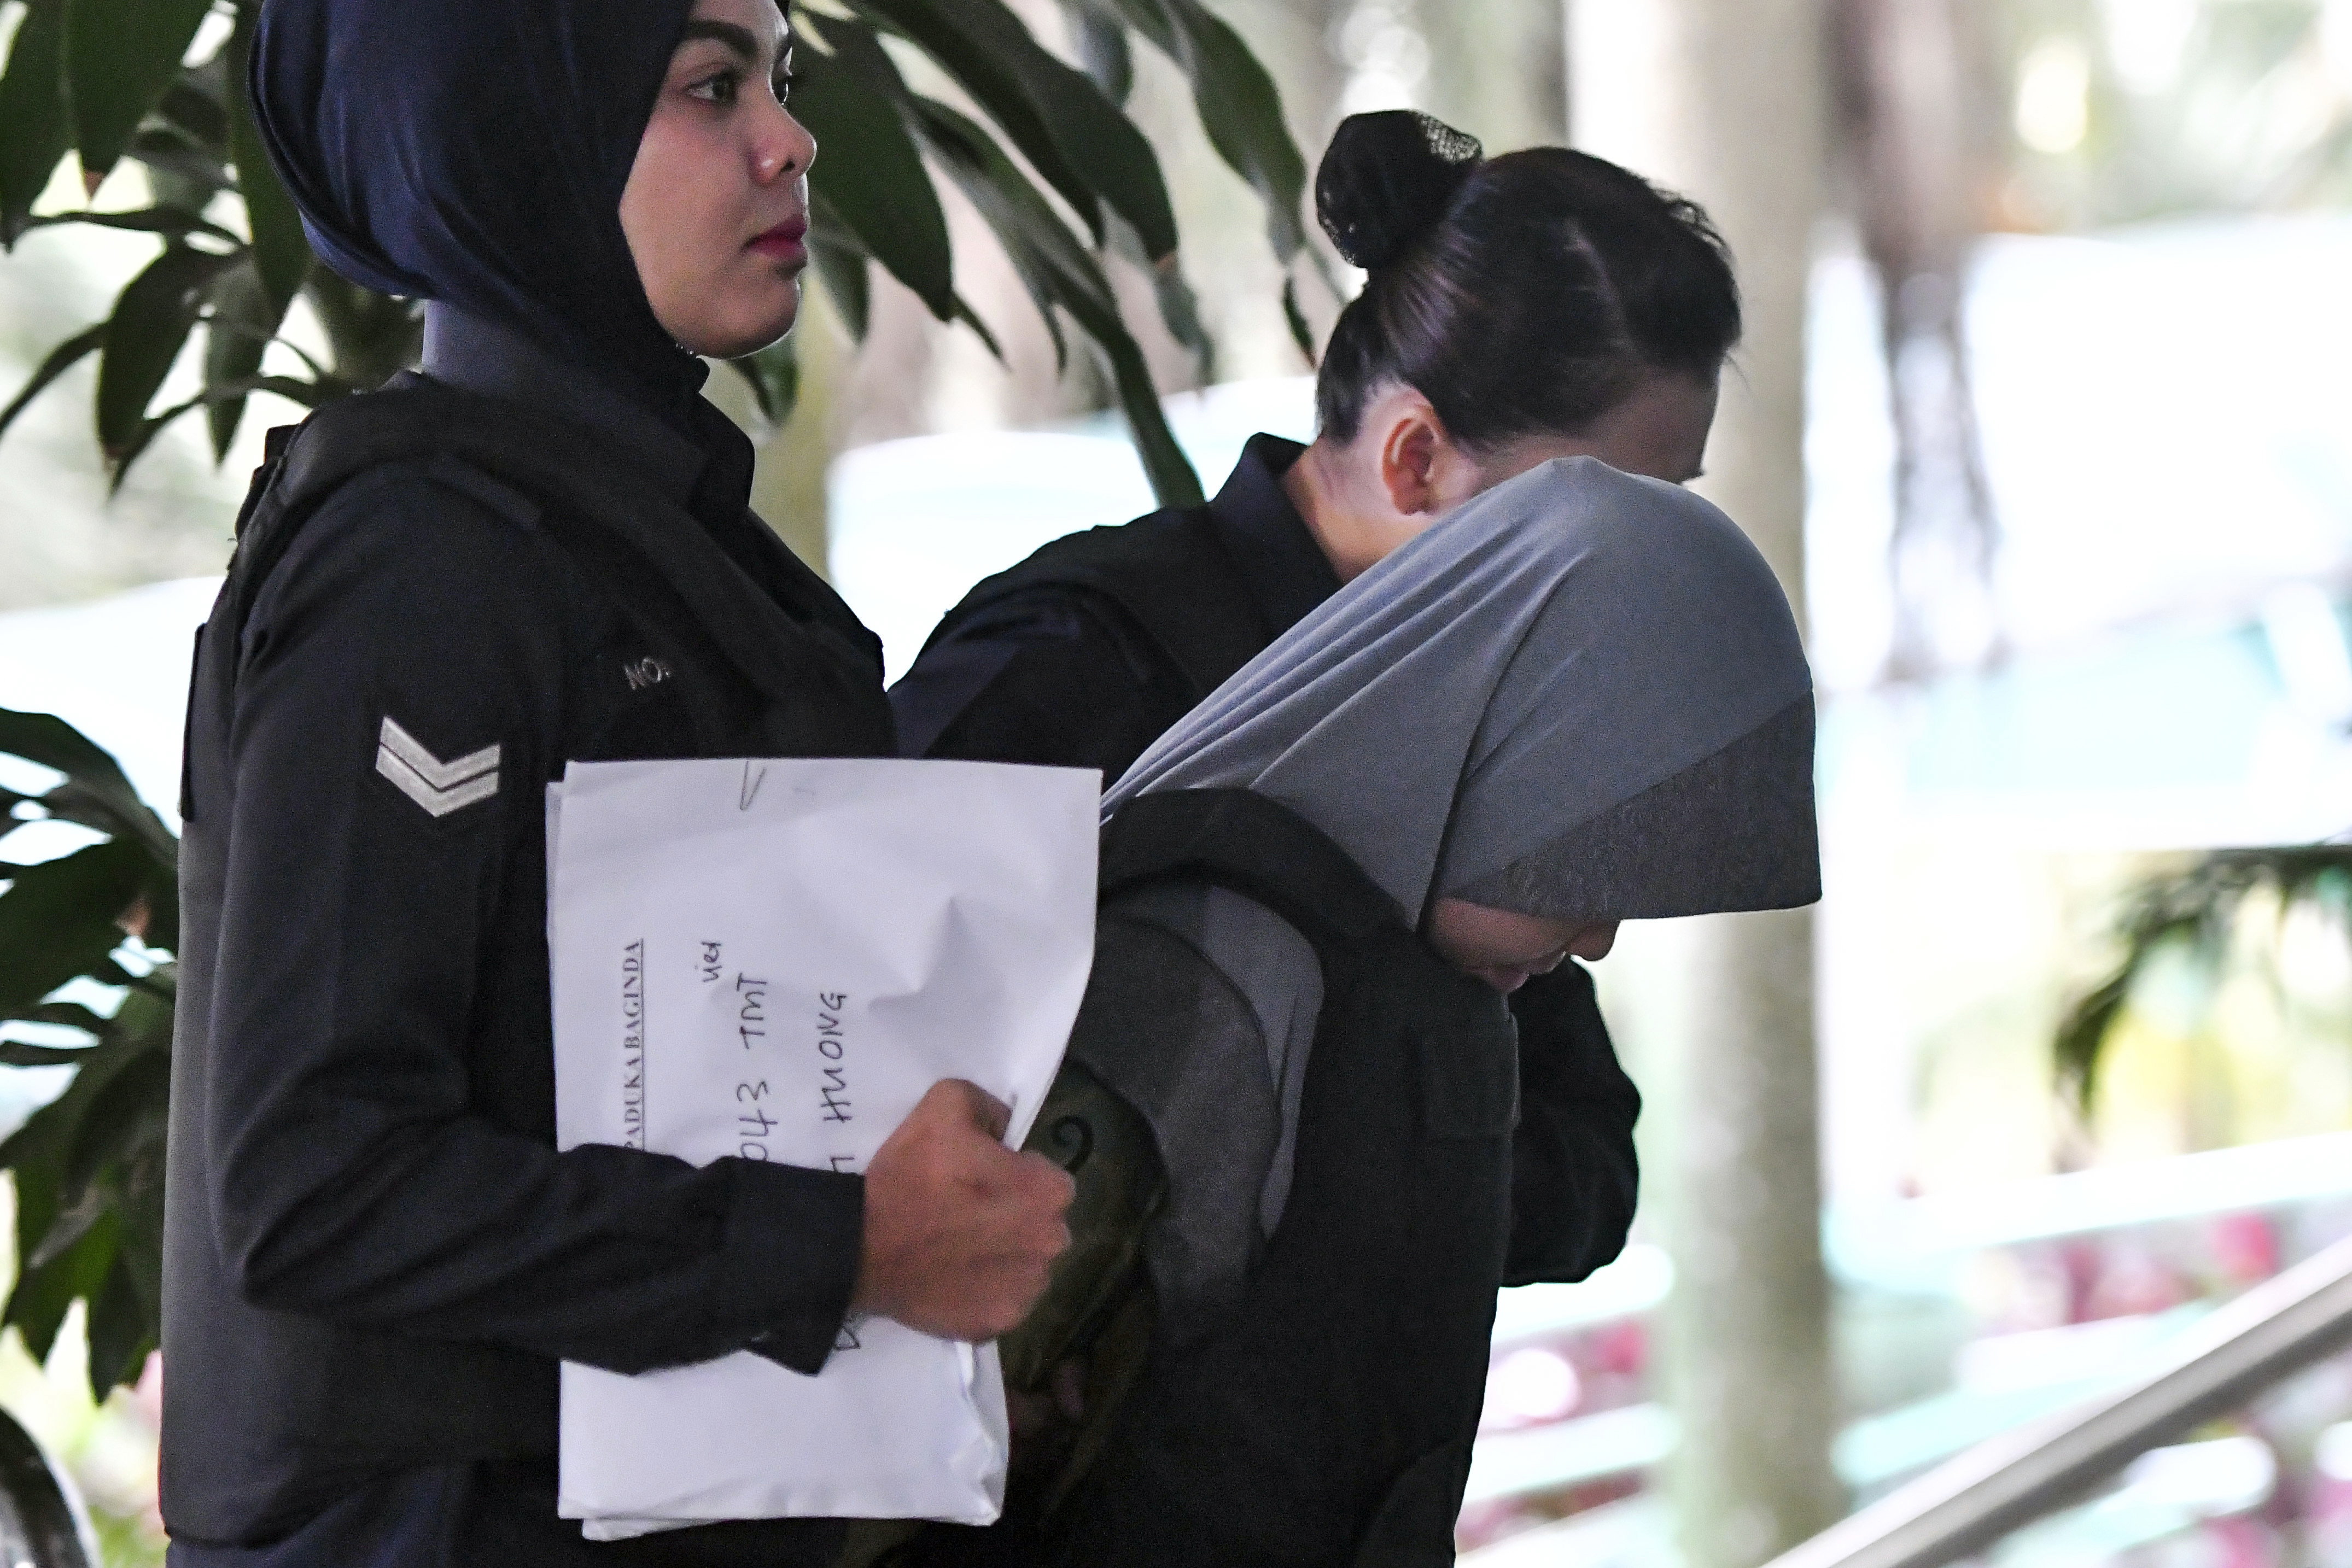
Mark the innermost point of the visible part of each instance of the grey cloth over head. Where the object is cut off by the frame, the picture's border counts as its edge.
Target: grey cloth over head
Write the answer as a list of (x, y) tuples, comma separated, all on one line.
[(1583, 695)]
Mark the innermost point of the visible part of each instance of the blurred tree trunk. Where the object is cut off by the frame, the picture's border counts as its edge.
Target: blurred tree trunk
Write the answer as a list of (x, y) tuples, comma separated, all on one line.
[(1723, 100), (1914, 110)]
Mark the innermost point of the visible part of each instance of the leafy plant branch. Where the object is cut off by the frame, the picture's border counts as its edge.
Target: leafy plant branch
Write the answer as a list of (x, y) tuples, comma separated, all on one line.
[(100, 922), (2190, 914), (1063, 176)]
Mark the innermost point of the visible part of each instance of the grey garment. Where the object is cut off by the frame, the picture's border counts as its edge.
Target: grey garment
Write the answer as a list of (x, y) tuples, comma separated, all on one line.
[(1707, 837), (1581, 696), (1262, 957), (1201, 1014)]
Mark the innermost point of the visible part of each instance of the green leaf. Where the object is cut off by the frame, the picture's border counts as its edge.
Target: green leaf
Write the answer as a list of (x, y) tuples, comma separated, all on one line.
[(40, 1150), (176, 221), (34, 133), (61, 359), (66, 1256), (293, 389), (1103, 50), (1300, 332), (1059, 271), (2189, 915), (190, 105), (2082, 1037), (871, 178), (58, 918), (1240, 107), (1180, 308), (38, 1306), (243, 319), (184, 172), (74, 1222), (126, 1114), (48, 741), (282, 251), (774, 375), (965, 314), (122, 1328), (88, 1170), (69, 1015), (119, 57), (19, 1053), (162, 982), (1078, 139), (90, 1220), (1174, 482), (139, 1199), (31, 1156), (153, 317), (308, 393), (841, 263), (121, 458), (143, 1021), (139, 1195), (373, 336)]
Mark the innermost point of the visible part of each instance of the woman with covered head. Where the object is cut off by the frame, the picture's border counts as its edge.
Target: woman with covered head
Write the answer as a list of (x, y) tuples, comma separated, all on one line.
[(1516, 308), (535, 552), (1291, 1092)]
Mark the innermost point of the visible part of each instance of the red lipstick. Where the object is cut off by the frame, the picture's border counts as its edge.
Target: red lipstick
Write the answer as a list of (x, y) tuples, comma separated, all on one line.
[(785, 242)]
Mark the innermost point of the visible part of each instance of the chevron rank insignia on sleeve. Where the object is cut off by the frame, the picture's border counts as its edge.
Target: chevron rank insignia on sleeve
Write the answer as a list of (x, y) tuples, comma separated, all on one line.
[(439, 787)]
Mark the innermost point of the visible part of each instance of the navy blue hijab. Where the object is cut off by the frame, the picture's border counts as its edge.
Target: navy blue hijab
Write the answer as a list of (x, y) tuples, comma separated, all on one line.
[(474, 151)]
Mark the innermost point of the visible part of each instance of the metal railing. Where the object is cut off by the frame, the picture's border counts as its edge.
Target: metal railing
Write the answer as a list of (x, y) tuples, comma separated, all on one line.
[(1964, 1505)]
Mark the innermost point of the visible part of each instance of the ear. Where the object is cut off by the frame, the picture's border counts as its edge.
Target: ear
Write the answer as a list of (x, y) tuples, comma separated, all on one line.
[(1416, 456)]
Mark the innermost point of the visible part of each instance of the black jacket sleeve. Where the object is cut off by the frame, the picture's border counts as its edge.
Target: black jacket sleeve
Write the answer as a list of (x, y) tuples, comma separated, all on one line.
[(1574, 1178), (1051, 676), (382, 968)]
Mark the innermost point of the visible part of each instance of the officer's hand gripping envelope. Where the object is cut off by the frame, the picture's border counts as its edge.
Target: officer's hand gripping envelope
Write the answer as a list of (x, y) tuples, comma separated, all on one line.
[(774, 961)]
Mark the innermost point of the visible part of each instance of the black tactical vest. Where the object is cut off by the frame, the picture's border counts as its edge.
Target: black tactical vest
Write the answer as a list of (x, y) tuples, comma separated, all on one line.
[(1168, 574), (810, 691), (1329, 1421)]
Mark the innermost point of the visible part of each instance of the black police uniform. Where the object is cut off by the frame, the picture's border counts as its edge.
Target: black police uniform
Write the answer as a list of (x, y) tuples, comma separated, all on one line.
[(375, 1255), (1325, 1419), (1086, 652)]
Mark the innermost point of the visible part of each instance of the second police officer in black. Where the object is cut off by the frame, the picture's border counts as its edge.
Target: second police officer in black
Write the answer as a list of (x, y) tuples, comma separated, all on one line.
[(537, 550), (1537, 305)]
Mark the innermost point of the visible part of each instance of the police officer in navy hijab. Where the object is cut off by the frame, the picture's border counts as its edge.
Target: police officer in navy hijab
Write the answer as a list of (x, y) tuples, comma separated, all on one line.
[(536, 551)]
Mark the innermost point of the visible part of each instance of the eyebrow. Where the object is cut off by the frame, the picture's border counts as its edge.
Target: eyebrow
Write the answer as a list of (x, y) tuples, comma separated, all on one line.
[(738, 39)]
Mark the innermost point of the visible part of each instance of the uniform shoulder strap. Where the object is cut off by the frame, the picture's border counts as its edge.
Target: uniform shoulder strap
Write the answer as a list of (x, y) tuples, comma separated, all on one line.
[(543, 464), (305, 464), (1255, 846), (1168, 572)]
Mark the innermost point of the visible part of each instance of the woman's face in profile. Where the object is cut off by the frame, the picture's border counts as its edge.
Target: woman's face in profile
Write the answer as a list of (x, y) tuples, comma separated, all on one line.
[(716, 210), (1507, 949)]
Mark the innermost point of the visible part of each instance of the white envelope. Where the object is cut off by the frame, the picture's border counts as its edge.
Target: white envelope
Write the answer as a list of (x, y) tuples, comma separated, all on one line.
[(776, 959)]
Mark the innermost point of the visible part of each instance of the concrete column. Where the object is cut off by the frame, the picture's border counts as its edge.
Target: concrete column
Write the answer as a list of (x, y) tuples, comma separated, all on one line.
[(1725, 101)]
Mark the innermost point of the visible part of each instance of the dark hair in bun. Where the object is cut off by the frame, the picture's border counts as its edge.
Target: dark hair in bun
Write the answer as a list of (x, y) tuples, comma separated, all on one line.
[(1387, 179), (1523, 295)]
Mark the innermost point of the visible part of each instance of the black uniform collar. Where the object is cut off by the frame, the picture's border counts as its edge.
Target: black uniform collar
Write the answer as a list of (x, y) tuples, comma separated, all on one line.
[(1288, 574), (709, 473)]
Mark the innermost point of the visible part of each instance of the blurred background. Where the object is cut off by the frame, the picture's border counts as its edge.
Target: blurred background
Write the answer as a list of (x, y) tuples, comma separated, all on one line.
[(2045, 412)]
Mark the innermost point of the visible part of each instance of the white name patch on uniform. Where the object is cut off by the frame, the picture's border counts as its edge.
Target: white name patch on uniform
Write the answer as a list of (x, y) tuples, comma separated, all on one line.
[(439, 787)]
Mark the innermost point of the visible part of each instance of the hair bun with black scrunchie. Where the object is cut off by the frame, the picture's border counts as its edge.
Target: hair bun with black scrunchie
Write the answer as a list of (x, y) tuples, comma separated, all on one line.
[(1387, 180)]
